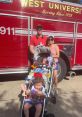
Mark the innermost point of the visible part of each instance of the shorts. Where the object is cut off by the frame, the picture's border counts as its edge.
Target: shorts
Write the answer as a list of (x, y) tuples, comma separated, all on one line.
[(33, 102), (55, 66)]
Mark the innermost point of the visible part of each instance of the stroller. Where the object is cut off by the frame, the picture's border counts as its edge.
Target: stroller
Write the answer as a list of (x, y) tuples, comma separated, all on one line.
[(47, 72)]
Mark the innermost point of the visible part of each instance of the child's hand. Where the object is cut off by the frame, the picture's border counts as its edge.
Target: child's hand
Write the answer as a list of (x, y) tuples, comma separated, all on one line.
[(23, 87), (24, 94), (39, 93), (27, 92)]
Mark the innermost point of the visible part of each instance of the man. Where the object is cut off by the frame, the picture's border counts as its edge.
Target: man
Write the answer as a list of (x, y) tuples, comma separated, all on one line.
[(36, 40)]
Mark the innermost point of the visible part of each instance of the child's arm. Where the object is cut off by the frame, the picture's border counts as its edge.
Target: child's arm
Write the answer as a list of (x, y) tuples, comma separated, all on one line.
[(41, 93), (23, 87), (28, 92)]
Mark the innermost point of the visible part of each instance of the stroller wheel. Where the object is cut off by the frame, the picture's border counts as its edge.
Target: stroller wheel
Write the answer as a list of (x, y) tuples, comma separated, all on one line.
[(50, 115), (53, 98)]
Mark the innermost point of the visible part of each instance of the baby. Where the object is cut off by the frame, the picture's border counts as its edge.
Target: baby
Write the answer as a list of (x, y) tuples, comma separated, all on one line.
[(34, 96)]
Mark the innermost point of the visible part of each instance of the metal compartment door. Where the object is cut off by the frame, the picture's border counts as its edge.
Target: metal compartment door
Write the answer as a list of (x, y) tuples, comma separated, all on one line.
[(13, 41)]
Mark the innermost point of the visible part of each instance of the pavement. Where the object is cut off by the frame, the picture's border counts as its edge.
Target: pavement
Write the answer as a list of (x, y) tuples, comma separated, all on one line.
[(9, 99), (69, 98)]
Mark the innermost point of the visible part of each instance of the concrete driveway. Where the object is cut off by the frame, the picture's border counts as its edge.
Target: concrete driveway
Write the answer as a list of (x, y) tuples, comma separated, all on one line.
[(69, 98)]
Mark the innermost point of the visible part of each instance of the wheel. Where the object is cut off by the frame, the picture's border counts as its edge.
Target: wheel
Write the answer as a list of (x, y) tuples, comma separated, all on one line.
[(52, 97), (62, 69), (49, 115)]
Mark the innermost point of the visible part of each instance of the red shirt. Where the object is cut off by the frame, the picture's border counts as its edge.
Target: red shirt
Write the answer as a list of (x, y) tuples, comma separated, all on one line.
[(36, 41)]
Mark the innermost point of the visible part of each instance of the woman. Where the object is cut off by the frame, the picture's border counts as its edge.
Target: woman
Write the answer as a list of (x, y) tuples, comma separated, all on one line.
[(55, 54)]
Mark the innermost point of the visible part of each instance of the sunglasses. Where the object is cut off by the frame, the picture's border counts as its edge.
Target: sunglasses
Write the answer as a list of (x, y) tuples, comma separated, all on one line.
[(40, 29), (51, 39)]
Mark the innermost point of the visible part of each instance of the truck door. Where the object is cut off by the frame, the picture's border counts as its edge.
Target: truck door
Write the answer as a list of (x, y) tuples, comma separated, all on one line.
[(13, 41), (78, 57)]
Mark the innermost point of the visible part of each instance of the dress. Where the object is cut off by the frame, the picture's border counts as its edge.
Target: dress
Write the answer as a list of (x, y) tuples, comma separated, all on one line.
[(33, 99), (53, 52)]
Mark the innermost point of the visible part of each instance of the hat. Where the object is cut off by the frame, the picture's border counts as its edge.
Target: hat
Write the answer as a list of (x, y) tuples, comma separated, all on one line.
[(38, 78), (37, 75), (39, 27)]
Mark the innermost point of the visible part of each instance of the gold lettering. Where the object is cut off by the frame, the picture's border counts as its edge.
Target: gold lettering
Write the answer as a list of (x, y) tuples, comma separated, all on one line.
[(36, 3), (42, 3), (56, 6), (24, 3), (30, 3), (59, 14), (51, 5), (69, 14), (78, 10), (72, 9), (60, 7), (68, 8)]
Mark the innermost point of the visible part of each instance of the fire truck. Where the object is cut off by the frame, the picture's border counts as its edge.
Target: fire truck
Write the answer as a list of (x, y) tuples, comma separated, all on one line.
[(18, 21)]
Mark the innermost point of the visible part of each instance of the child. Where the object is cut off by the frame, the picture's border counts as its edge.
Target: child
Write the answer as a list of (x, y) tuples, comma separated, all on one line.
[(55, 54), (34, 96)]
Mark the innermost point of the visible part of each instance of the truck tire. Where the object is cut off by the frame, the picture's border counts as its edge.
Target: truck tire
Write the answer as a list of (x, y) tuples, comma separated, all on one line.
[(62, 69)]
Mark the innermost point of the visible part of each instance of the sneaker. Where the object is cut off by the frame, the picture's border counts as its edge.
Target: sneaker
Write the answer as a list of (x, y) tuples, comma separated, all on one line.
[(53, 100), (56, 91)]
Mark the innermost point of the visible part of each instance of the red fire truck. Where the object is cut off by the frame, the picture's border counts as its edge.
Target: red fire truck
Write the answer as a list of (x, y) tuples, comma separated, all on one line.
[(18, 20)]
